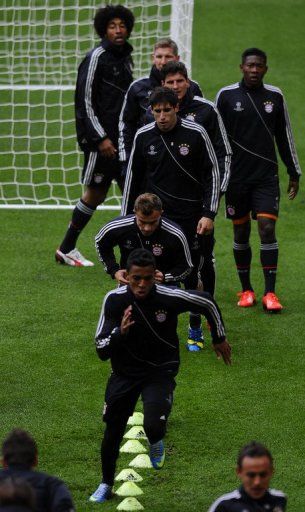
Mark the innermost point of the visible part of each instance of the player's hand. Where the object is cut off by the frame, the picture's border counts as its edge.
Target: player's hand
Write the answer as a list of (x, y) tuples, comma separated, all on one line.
[(205, 226), (293, 187), (107, 149), (159, 277), (126, 320), (223, 350), (120, 276)]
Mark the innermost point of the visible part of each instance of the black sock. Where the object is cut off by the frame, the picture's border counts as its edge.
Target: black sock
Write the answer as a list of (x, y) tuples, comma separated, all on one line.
[(81, 215), (243, 256), (269, 258), (195, 320), (110, 447)]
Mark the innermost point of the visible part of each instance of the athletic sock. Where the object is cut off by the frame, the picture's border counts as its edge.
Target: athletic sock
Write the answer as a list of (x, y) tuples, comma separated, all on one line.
[(269, 258), (81, 215), (195, 321), (243, 256)]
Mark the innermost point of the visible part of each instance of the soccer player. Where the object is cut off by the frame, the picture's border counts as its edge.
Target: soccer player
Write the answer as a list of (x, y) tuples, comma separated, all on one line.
[(136, 101), (256, 117), (137, 331), (174, 158), (145, 228), (103, 78), (19, 459), (255, 470)]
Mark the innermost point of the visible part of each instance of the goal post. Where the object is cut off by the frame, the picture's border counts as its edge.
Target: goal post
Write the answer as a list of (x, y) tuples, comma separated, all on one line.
[(42, 43)]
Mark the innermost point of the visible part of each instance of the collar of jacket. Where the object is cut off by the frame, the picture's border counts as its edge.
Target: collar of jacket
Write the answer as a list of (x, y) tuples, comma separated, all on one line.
[(245, 495), (186, 100), (243, 86), (118, 51), (155, 77), (173, 130)]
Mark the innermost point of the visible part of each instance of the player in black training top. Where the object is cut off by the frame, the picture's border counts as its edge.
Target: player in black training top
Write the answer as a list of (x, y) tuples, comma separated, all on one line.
[(19, 458), (103, 78), (146, 229), (137, 331), (174, 158), (255, 470), (256, 117), (136, 101)]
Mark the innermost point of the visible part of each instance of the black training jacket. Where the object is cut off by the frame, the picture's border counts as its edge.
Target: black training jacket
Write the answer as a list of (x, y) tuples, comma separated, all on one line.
[(168, 245), (103, 79), (151, 345), (204, 112), (52, 495), (136, 102), (256, 119), (240, 501), (180, 166)]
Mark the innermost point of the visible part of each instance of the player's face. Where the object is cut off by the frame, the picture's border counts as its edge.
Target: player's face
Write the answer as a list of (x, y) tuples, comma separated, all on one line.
[(116, 31), (148, 224), (162, 56), (141, 280), (255, 475), (254, 69), (177, 83), (165, 116)]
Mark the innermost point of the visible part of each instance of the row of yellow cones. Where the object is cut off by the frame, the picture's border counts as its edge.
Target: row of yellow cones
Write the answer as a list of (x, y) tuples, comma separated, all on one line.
[(129, 476)]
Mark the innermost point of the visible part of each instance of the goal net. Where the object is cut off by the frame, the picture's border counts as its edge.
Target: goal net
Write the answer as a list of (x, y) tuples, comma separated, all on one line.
[(42, 43)]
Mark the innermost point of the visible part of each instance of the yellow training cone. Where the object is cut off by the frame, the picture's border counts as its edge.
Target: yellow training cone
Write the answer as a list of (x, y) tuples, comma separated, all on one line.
[(129, 489), (130, 504)]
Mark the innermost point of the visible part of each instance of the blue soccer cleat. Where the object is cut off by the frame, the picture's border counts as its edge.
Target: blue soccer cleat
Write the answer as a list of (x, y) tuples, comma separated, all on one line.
[(195, 339), (157, 454), (103, 493)]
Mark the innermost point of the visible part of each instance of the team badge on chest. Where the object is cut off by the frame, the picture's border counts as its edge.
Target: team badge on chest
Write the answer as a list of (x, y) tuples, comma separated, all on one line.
[(191, 116), (152, 150), (157, 249), (184, 149), (268, 106), (238, 107), (161, 315)]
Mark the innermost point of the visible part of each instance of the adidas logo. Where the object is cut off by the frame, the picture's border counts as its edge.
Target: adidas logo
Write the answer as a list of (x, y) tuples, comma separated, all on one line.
[(140, 434), (131, 477), (163, 417)]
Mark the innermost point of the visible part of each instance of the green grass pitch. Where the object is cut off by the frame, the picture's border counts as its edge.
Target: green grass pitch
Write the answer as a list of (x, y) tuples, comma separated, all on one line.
[(52, 383)]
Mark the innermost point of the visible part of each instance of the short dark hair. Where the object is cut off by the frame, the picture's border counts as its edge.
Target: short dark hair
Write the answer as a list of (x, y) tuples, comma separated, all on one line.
[(173, 67), (163, 95), (16, 491), (105, 14), (253, 51), (148, 203), (253, 449), (19, 447), (167, 42), (140, 258)]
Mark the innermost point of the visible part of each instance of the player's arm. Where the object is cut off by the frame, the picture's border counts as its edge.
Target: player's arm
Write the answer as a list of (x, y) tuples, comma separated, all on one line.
[(180, 257), (204, 304), (59, 497), (108, 333), (128, 123), (218, 135), (135, 177), (287, 149), (85, 99), (105, 241), (211, 181)]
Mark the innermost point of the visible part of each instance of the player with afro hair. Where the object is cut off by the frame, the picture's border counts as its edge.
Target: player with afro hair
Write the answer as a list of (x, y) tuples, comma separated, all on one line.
[(106, 14)]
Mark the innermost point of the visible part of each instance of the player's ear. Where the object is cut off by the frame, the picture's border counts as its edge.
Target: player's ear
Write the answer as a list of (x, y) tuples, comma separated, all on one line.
[(162, 83)]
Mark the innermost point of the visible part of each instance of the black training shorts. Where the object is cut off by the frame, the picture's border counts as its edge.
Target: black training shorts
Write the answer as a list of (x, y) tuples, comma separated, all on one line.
[(241, 199), (98, 170), (122, 394)]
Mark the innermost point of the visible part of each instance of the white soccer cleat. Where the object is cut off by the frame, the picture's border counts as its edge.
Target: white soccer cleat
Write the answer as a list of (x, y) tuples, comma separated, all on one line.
[(73, 258)]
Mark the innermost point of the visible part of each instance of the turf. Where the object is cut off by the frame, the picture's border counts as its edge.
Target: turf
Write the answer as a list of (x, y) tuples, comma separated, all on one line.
[(52, 381)]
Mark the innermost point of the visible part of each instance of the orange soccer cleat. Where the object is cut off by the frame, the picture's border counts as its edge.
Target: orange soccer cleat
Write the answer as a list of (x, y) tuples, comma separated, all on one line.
[(247, 299), (271, 303)]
